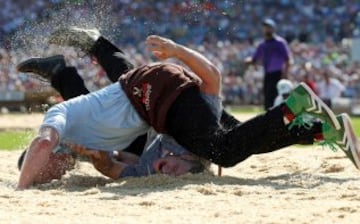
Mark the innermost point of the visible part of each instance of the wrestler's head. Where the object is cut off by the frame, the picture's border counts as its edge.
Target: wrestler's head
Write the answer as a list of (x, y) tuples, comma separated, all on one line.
[(176, 165), (165, 156), (55, 168), (173, 159)]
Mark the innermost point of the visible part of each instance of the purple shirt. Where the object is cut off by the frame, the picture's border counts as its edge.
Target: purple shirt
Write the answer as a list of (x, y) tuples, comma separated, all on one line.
[(272, 54)]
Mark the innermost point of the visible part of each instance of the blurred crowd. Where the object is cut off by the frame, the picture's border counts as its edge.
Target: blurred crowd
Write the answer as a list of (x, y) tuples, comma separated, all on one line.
[(197, 21), (225, 31)]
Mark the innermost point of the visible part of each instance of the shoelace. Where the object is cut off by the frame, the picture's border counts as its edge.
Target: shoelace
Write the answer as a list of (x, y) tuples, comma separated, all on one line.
[(328, 143), (300, 122), (331, 144)]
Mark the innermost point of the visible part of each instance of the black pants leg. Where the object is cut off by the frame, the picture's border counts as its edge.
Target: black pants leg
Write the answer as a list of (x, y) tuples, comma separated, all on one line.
[(68, 83), (111, 58), (228, 121), (192, 124), (270, 91)]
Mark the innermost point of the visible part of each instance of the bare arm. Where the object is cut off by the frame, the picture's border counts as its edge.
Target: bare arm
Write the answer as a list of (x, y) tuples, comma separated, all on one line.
[(37, 157), (164, 48), (100, 159), (126, 157), (107, 165)]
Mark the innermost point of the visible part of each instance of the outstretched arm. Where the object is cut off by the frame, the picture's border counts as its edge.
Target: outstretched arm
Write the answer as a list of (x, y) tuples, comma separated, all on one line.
[(100, 159), (37, 157), (126, 157), (164, 48)]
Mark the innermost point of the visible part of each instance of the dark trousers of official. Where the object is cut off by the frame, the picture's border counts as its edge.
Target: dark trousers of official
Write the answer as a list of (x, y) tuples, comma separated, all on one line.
[(192, 124), (69, 83), (269, 89)]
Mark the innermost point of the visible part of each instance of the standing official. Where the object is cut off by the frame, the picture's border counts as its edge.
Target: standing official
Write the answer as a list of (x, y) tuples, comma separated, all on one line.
[(274, 55)]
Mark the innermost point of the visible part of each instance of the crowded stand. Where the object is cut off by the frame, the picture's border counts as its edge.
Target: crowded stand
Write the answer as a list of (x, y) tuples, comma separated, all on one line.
[(319, 34)]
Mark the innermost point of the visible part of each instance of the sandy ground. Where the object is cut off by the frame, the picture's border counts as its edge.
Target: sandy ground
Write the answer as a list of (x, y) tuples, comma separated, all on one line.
[(20, 121), (293, 185)]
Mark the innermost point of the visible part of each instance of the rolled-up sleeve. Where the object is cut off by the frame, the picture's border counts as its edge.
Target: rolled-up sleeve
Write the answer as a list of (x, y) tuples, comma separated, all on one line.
[(56, 118)]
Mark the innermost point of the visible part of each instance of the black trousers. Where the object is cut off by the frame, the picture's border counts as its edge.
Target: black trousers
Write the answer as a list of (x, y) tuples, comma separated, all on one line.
[(270, 91), (192, 124)]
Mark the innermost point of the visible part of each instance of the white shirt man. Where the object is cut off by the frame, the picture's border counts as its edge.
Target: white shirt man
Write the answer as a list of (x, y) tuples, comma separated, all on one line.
[(330, 88)]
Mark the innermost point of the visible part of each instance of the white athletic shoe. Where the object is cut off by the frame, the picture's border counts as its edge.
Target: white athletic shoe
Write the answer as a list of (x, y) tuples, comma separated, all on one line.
[(302, 100), (345, 138)]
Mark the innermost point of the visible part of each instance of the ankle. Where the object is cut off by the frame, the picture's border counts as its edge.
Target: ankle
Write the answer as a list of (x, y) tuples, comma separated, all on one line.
[(288, 115), (318, 131), (100, 44), (319, 137)]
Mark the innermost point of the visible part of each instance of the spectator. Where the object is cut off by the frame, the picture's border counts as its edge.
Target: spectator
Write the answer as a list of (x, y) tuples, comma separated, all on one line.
[(330, 88), (284, 87), (308, 78)]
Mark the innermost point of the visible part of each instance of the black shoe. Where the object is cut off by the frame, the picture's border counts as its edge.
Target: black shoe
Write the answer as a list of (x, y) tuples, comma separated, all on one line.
[(44, 67), (75, 37)]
